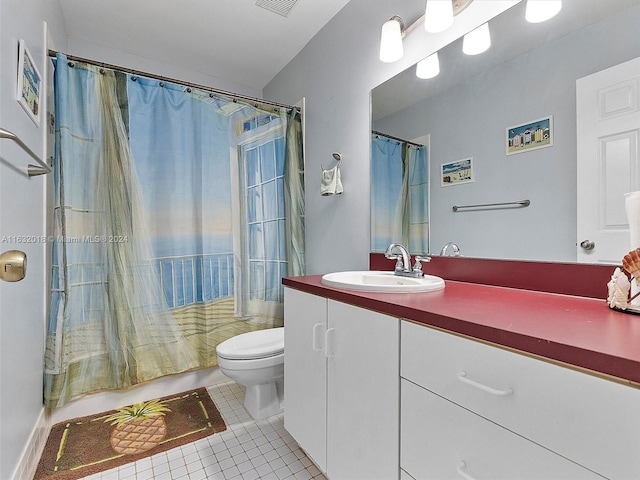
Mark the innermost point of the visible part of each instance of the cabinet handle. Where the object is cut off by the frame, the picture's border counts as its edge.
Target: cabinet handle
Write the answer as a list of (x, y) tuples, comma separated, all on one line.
[(462, 376), (460, 469), (328, 343), (317, 337)]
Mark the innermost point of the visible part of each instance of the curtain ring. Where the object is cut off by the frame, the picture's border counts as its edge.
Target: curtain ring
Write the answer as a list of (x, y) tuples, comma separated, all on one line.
[(134, 78), (71, 64), (188, 90), (161, 84)]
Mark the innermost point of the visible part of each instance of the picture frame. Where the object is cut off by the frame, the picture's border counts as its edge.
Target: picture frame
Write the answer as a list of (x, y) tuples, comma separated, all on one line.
[(531, 135), (456, 173), (29, 84)]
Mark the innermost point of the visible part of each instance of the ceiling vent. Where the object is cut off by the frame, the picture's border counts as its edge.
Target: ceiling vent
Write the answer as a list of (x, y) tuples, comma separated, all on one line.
[(281, 7)]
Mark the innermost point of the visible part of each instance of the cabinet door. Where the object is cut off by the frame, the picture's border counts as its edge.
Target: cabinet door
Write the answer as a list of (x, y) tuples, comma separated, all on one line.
[(441, 440), (363, 404), (305, 372)]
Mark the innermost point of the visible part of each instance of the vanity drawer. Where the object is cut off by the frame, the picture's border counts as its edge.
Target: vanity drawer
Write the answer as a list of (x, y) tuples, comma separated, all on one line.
[(441, 440), (592, 421)]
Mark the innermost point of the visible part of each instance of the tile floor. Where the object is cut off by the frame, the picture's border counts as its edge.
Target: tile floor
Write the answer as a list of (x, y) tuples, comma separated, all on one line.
[(247, 450)]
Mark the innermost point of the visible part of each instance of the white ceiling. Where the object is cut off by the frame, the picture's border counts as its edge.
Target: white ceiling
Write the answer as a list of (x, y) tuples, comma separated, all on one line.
[(234, 40)]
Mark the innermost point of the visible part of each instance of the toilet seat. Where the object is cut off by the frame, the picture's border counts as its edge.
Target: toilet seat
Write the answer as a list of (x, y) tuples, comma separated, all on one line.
[(253, 345)]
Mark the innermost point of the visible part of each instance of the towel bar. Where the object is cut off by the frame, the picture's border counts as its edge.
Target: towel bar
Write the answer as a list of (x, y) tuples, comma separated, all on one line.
[(520, 203), (33, 170)]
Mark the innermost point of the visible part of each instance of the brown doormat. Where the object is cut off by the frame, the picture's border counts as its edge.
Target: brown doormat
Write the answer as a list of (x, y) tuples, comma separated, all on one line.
[(86, 445)]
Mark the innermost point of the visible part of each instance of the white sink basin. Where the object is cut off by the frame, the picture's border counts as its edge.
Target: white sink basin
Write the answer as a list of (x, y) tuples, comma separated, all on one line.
[(384, 282)]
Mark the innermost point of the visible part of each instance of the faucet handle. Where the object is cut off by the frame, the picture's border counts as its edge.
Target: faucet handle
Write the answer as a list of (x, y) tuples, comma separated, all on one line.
[(417, 267)]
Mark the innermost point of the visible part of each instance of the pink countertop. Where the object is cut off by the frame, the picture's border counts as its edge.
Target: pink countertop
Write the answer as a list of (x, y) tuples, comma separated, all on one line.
[(578, 331)]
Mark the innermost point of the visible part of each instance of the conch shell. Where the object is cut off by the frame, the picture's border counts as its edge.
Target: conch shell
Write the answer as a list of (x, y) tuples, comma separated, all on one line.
[(631, 263), (618, 289)]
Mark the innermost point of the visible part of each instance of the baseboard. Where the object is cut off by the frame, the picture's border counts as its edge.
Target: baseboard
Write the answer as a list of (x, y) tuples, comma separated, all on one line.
[(28, 463)]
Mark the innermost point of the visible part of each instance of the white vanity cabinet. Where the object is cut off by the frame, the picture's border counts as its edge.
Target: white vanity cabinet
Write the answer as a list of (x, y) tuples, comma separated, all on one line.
[(341, 382), (472, 410)]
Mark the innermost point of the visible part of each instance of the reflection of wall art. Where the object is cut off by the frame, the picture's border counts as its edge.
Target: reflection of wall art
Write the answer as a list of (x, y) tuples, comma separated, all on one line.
[(530, 136), (455, 173), (29, 81)]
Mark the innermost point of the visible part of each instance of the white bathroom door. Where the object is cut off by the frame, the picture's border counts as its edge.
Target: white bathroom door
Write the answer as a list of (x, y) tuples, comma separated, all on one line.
[(608, 129)]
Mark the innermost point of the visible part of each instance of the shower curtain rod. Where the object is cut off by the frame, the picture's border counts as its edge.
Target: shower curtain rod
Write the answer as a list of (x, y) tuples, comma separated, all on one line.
[(233, 96), (396, 138)]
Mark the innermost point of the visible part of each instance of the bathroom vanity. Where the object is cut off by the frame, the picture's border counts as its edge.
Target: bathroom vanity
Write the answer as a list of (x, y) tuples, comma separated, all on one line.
[(473, 381)]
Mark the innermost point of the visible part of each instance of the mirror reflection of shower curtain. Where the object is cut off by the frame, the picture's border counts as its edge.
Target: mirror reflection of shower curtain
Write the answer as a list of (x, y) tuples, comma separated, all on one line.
[(146, 256), (386, 184), (399, 195), (418, 193)]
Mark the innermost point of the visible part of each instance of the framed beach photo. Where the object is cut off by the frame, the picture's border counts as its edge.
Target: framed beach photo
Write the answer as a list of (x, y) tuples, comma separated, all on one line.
[(28, 84), (530, 136), (456, 173)]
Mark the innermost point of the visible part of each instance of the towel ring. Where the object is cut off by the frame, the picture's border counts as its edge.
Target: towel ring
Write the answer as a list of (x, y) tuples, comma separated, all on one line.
[(337, 156)]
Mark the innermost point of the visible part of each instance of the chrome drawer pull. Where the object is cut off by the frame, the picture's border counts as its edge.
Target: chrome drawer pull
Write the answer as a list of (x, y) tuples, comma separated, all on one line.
[(462, 376), (460, 469)]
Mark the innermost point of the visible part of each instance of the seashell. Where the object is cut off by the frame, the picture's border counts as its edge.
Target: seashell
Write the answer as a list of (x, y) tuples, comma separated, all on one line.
[(631, 263), (618, 289)]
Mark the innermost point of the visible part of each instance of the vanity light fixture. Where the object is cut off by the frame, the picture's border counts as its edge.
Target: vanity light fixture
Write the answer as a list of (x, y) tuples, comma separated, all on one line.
[(428, 67), (391, 40), (477, 41), (438, 15), (393, 30), (541, 10)]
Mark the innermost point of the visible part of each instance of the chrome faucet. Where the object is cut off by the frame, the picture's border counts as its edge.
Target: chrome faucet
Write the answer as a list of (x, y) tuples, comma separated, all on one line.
[(454, 247), (403, 261)]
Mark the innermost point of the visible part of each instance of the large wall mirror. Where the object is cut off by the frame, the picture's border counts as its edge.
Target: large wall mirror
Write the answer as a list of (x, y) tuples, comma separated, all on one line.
[(477, 123)]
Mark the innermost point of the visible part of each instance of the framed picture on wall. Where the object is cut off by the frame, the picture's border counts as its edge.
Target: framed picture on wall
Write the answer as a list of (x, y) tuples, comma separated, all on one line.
[(530, 135), (456, 173), (28, 84)]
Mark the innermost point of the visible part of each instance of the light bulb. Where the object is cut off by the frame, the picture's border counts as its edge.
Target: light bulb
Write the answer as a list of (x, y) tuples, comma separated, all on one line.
[(477, 41), (428, 67), (391, 41), (438, 15), (541, 10)]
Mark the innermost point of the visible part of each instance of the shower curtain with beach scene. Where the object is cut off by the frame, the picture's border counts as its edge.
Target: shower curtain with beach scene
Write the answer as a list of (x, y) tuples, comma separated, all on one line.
[(176, 213), (399, 194)]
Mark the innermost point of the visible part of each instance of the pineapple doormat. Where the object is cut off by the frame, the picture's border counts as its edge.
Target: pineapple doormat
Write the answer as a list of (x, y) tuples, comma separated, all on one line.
[(86, 445)]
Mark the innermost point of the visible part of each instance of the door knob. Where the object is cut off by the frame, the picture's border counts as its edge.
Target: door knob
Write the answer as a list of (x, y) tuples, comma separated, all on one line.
[(13, 266), (588, 244)]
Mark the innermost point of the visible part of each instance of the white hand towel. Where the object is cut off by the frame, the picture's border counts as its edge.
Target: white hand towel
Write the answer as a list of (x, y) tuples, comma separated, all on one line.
[(331, 183), (339, 188)]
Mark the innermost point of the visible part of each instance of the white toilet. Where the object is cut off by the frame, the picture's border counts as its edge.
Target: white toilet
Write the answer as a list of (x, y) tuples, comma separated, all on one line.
[(256, 360)]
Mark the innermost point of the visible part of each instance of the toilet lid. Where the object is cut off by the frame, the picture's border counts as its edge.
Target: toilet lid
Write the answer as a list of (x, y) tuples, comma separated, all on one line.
[(258, 344)]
